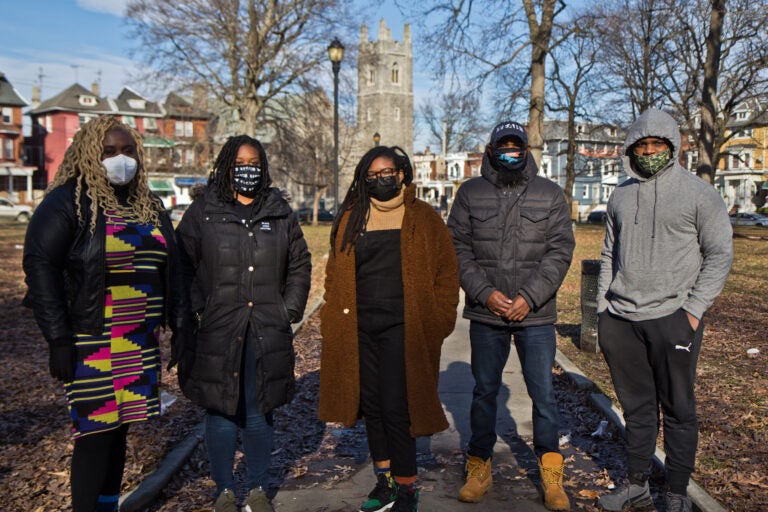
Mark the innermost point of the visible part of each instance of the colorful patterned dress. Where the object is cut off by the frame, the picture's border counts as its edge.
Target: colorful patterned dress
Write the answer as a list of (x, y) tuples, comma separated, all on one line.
[(117, 374)]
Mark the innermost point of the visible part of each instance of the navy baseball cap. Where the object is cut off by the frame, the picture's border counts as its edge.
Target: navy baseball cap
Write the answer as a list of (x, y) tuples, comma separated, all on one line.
[(509, 129)]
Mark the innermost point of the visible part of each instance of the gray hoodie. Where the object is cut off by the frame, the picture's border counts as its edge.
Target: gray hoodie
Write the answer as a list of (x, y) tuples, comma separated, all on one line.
[(668, 240)]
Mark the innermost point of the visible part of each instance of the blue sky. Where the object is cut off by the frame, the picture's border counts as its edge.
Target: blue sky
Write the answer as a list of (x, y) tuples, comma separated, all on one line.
[(86, 41)]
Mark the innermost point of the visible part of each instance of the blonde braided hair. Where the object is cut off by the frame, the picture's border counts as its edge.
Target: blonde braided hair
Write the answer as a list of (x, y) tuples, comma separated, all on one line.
[(82, 162)]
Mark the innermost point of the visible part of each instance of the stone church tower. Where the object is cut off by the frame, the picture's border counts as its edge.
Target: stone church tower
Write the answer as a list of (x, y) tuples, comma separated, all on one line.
[(385, 90)]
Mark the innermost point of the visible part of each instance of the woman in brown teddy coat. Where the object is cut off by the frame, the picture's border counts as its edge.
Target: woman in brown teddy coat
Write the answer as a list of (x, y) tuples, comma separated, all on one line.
[(392, 280)]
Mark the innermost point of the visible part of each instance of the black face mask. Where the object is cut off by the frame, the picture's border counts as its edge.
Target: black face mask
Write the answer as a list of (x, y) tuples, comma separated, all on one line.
[(504, 159), (383, 188), (246, 180)]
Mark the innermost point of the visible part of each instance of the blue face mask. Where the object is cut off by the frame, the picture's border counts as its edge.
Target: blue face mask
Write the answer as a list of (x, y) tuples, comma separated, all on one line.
[(510, 159)]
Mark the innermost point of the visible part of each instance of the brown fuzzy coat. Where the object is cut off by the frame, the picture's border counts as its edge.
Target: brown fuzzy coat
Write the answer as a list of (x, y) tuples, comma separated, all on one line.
[(431, 294)]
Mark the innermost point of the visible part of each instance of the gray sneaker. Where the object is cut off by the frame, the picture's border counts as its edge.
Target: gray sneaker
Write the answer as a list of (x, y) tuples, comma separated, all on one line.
[(257, 501), (226, 502), (677, 503), (627, 497)]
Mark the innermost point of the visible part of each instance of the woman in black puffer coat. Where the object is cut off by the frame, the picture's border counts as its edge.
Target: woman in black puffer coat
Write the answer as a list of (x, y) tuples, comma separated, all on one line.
[(248, 269)]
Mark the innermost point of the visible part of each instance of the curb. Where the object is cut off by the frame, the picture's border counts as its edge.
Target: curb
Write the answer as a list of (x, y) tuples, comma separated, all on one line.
[(144, 494), (702, 502)]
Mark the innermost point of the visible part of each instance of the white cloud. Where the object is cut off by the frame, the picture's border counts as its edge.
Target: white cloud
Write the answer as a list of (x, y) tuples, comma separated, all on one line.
[(115, 7)]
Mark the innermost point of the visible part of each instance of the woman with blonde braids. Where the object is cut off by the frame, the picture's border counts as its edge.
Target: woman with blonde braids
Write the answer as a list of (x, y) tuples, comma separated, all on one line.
[(102, 270)]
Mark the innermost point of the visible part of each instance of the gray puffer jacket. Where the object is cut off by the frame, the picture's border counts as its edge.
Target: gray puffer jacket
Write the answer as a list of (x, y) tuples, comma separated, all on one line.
[(251, 273), (517, 240)]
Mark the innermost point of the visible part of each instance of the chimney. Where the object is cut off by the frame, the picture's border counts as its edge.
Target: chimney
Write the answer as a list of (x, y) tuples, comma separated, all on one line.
[(95, 89), (200, 96), (35, 96)]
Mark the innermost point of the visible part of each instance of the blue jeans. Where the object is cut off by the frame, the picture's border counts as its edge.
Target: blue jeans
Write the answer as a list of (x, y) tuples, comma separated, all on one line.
[(221, 434), (490, 349)]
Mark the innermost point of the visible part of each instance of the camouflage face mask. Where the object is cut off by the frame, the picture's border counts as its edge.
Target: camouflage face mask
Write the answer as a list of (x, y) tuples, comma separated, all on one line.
[(654, 163)]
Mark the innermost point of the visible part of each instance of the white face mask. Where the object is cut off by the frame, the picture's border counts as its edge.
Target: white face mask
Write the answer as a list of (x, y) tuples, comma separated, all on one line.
[(120, 169)]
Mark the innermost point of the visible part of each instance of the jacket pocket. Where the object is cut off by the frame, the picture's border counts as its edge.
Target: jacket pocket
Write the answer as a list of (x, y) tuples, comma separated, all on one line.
[(484, 223)]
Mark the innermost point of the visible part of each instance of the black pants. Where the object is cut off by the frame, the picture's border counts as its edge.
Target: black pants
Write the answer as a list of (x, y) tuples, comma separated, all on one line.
[(98, 461), (383, 397), (652, 363)]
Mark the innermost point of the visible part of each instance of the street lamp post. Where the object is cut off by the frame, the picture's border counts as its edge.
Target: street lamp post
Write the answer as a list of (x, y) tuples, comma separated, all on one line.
[(336, 53), (376, 138)]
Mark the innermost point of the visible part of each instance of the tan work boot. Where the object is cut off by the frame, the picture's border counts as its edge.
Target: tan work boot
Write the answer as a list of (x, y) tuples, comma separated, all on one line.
[(479, 479), (551, 471)]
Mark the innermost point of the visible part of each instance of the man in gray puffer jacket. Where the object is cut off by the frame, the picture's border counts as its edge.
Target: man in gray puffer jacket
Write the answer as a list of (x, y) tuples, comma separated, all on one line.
[(667, 253), (514, 242)]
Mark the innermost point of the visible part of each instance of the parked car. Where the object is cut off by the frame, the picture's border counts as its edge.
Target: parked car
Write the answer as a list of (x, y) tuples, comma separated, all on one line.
[(749, 219), (176, 212), (597, 217), (305, 215), (17, 212)]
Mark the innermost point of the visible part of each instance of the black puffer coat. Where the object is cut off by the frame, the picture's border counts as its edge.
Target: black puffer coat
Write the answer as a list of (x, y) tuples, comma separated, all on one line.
[(242, 272), (517, 240), (65, 268)]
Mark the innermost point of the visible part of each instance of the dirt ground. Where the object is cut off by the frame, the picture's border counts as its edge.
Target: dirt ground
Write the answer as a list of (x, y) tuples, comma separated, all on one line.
[(35, 447)]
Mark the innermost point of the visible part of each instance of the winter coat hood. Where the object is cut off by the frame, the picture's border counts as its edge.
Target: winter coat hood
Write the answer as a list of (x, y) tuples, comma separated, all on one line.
[(652, 123)]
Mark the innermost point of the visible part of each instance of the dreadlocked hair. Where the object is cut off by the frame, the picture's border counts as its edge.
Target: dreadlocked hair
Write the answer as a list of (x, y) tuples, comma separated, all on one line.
[(220, 179), (82, 163), (357, 200)]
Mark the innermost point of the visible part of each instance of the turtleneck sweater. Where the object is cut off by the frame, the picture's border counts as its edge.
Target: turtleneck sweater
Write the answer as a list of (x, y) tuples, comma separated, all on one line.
[(386, 214)]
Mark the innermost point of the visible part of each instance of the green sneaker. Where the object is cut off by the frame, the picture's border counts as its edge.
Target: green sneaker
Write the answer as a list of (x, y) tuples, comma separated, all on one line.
[(382, 497), (407, 501), (226, 502)]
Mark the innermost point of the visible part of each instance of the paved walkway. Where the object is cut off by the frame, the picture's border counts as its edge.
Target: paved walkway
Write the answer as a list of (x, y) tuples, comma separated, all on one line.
[(512, 491)]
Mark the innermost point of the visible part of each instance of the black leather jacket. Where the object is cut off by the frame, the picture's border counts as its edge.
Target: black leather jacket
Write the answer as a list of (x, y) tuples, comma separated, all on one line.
[(65, 268), (248, 273), (517, 240)]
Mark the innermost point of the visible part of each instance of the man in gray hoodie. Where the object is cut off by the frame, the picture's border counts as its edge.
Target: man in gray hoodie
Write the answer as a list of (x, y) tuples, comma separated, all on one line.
[(667, 253)]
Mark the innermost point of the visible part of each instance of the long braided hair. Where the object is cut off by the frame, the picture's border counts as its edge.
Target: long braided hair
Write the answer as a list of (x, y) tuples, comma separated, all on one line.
[(220, 179), (82, 163), (357, 199)]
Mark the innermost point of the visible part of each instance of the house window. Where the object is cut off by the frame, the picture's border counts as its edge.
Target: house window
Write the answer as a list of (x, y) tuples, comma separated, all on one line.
[(184, 128), (585, 194), (87, 101), (84, 118), (371, 77), (741, 115), (130, 121), (150, 123), (137, 104), (368, 116), (8, 149), (7, 115), (397, 113), (48, 124), (189, 157), (395, 74)]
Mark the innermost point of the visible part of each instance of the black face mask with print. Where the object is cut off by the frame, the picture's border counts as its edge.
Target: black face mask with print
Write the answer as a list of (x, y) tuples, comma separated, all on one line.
[(246, 180), (383, 188)]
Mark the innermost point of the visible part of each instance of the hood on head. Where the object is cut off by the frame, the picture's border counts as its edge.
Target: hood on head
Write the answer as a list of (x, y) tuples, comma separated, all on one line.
[(652, 123)]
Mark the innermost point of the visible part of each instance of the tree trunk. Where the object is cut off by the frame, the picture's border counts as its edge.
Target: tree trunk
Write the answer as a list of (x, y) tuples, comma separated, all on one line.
[(319, 191), (540, 34), (570, 158), (708, 152)]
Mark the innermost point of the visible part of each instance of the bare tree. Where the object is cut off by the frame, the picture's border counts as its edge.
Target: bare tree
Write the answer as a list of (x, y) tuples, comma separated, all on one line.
[(452, 119), (246, 52), (302, 148), (572, 86), (632, 35), (722, 65), (480, 42)]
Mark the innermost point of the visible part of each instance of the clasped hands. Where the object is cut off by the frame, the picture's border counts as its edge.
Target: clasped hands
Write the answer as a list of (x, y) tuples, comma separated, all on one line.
[(513, 310)]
